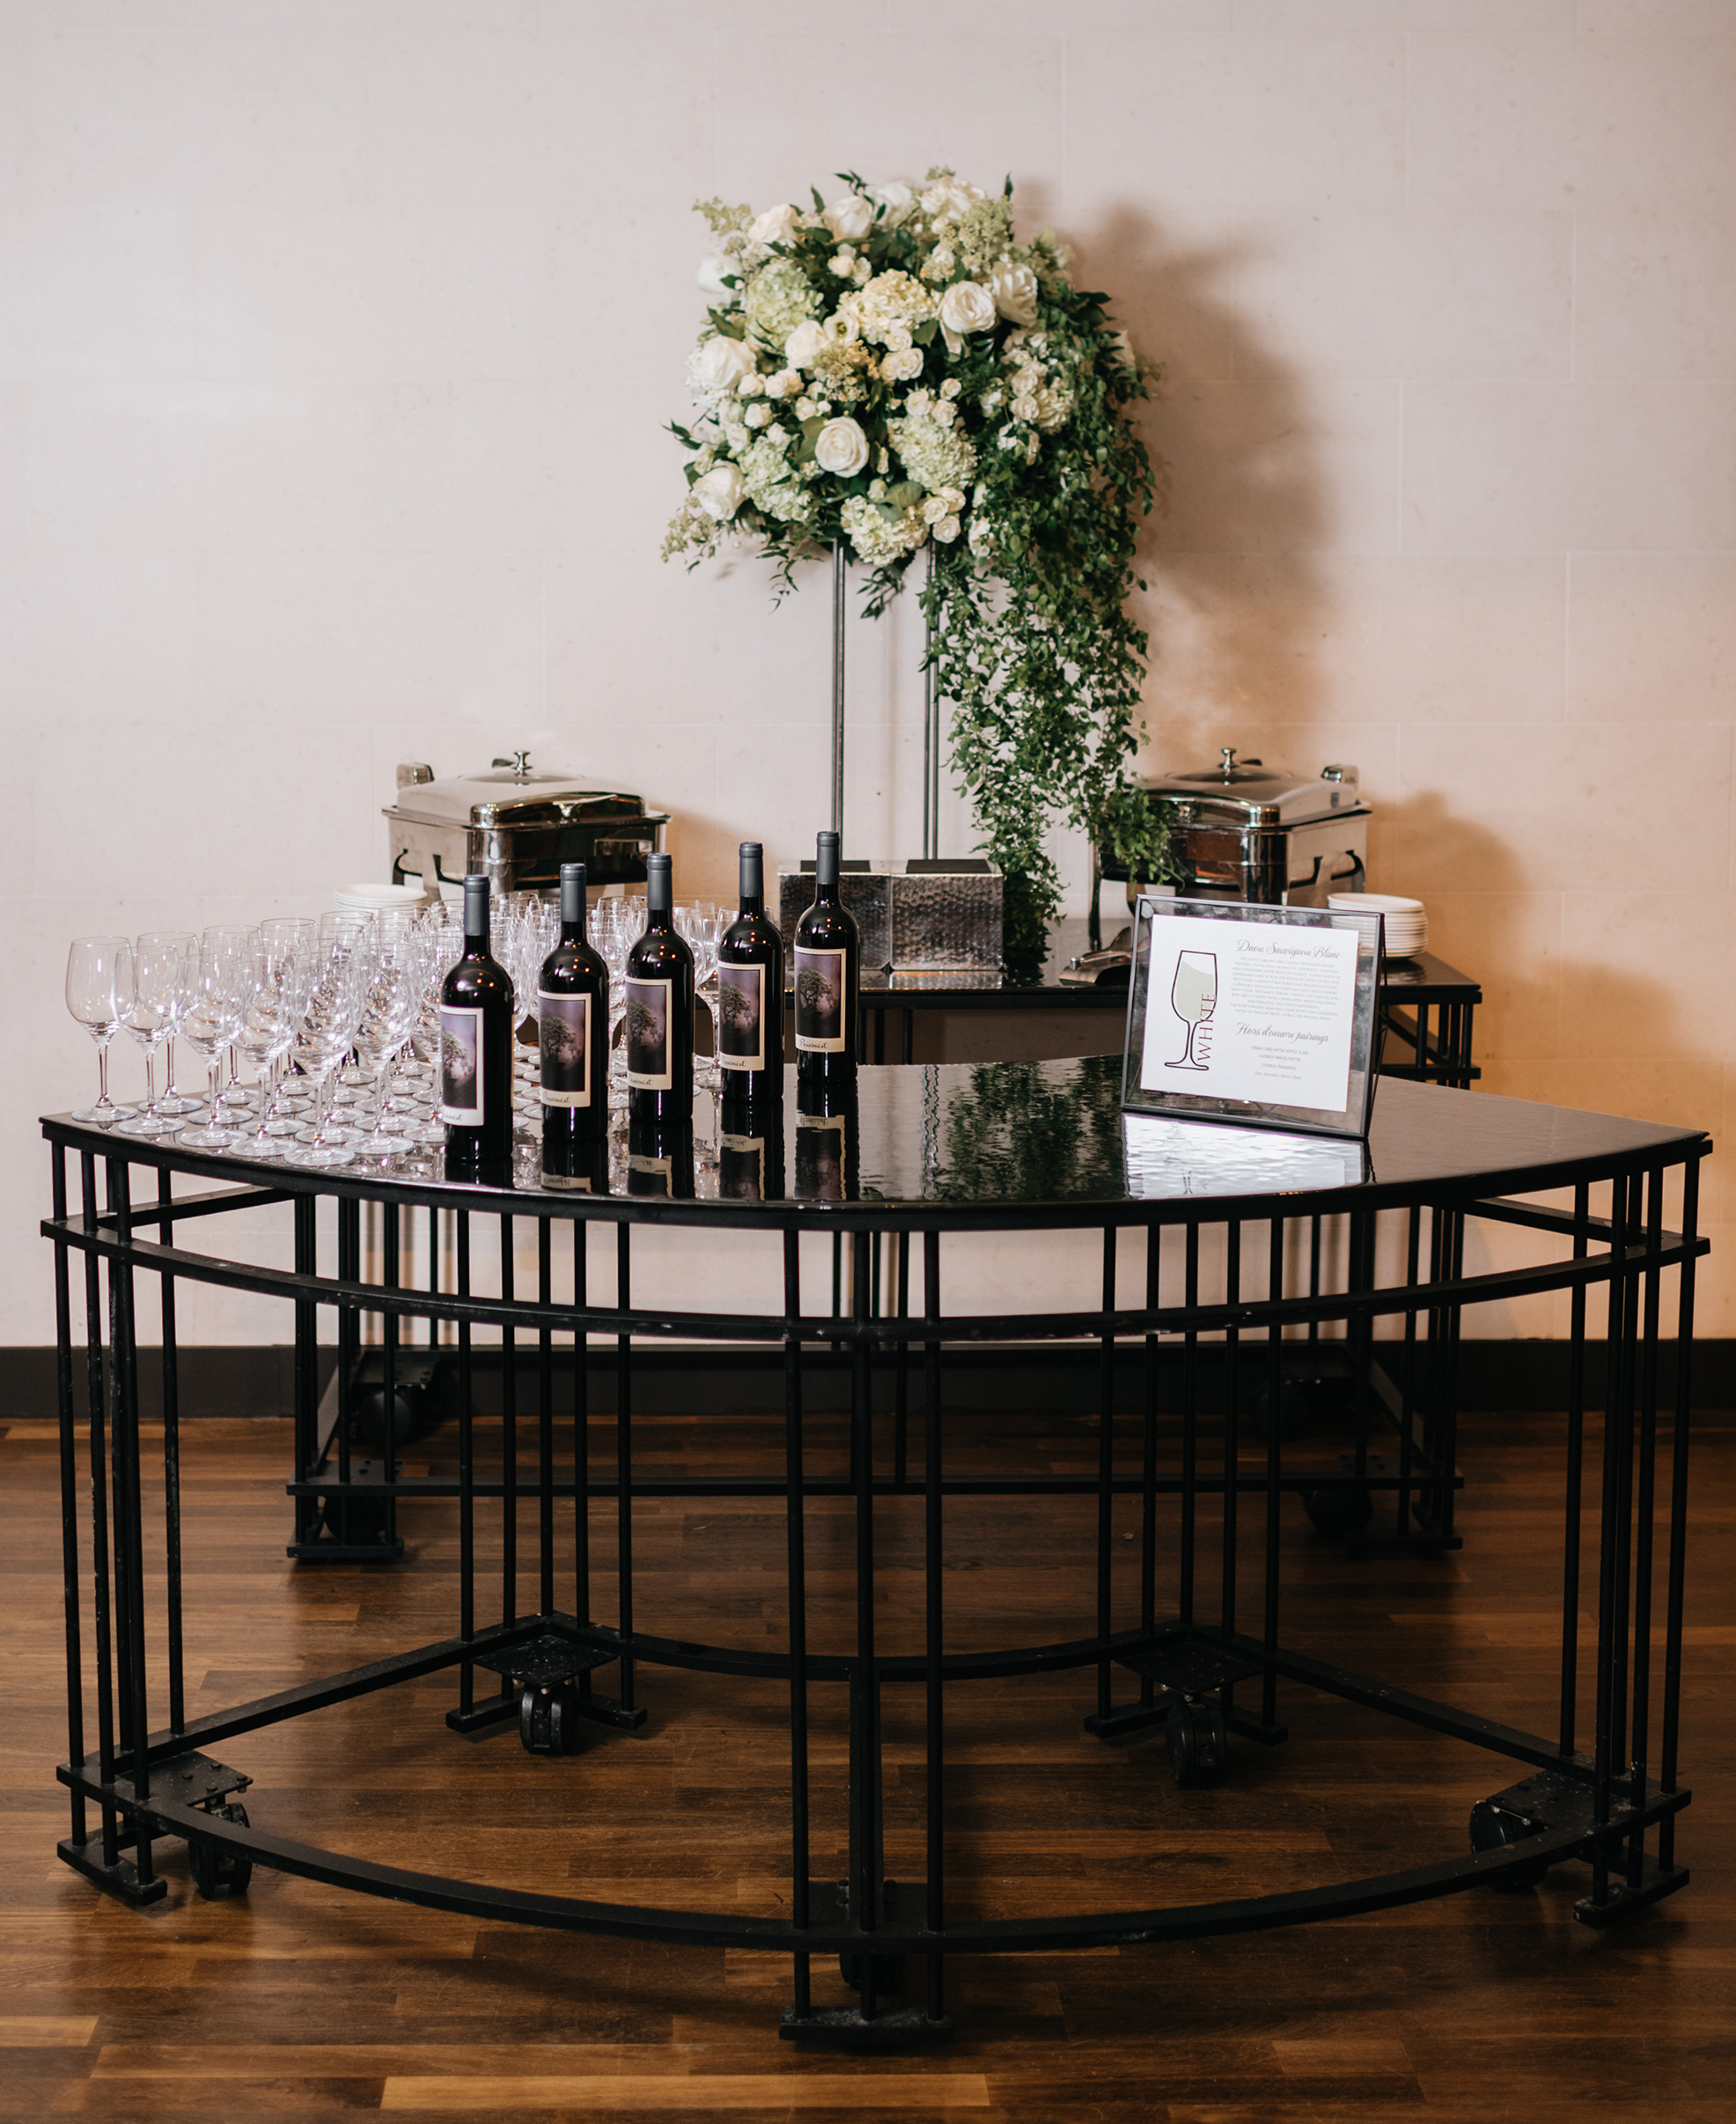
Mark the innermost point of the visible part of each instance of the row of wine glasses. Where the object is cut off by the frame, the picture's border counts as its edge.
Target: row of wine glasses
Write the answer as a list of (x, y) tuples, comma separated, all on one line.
[(336, 1017)]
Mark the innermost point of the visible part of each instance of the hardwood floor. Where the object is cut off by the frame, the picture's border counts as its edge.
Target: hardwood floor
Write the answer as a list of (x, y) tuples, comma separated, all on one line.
[(303, 2002)]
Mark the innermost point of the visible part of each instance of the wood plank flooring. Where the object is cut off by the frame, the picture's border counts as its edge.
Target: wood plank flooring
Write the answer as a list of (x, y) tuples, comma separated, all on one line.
[(307, 2002)]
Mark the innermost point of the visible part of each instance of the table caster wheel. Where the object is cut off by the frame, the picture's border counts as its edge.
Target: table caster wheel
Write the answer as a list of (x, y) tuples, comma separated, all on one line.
[(219, 1872), (1198, 1746), (1338, 1511), (548, 1719), (1494, 1828)]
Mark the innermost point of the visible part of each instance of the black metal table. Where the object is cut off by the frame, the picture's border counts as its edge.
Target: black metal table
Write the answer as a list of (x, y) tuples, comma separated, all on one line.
[(1223, 1220), (1427, 1007)]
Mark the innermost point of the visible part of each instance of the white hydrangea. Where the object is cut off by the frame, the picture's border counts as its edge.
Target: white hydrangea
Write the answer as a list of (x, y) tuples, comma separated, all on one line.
[(880, 535), (777, 298), (889, 303), (936, 455), (773, 483)]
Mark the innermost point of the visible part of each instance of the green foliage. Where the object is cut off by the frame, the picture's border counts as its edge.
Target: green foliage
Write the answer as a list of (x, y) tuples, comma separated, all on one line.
[(1011, 452)]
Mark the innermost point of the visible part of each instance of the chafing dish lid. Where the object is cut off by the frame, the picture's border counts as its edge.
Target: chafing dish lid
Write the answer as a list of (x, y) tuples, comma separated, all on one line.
[(515, 795), (1247, 792)]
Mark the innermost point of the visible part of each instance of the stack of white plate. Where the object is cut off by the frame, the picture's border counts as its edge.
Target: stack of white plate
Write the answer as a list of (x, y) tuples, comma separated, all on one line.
[(374, 899), (1407, 919)]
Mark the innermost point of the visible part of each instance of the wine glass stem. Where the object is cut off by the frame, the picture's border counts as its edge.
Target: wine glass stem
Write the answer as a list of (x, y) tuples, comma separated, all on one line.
[(151, 1082), (215, 1072), (102, 1075)]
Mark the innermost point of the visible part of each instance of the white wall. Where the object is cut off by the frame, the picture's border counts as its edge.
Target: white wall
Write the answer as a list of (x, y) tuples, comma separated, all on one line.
[(335, 341)]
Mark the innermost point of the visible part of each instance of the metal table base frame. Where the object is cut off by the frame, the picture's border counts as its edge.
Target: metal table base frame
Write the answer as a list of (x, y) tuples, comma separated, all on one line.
[(1168, 1631)]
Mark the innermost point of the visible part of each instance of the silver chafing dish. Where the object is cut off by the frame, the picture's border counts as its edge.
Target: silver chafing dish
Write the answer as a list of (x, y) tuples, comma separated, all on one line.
[(519, 826), (1242, 830)]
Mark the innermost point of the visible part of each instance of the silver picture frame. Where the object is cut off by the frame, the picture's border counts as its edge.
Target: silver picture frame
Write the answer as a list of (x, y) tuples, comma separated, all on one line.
[(1353, 1118)]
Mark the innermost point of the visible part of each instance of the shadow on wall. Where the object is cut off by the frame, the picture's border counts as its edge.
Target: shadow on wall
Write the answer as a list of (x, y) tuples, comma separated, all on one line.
[(1236, 603)]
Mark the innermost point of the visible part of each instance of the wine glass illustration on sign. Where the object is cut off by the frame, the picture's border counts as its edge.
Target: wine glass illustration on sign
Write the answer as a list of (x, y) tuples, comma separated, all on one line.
[(1193, 996)]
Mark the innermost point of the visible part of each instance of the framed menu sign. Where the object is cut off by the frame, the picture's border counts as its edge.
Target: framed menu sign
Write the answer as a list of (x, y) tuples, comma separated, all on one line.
[(1256, 1014)]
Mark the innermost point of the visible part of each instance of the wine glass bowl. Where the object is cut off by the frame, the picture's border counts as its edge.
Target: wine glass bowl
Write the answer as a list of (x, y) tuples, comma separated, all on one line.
[(149, 1012), (1193, 996), (212, 1018), (98, 975)]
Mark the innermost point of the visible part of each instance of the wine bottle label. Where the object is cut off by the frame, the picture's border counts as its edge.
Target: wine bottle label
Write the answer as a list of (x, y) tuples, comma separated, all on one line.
[(650, 1006), (568, 1183), (741, 1017), (819, 1157), (649, 1175), (741, 1168), (461, 1065), (820, 1003), (564, 1027)]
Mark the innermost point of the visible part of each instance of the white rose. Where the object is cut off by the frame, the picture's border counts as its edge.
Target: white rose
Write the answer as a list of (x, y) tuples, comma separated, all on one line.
[(840, 448), (785, 384), (721, 363), (982, 536), (849, 218), (805, 409), (903, 364), (804, 343), (843, 263), (719, 493), (943, 413), (759, 416), (947, 200), (711, 272), (946, 530), (934, 509), (966, 306), (1014, 288), (897, 338), (751, 385), (899, 200), (776, 224)]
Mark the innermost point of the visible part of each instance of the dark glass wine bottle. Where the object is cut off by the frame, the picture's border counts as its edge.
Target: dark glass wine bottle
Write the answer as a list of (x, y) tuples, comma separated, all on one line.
[(750, 1150), (829, 978), (659, 1156), (660, 1009), (476, 1052), (572, 1010), (750, 995), (827, 1152)]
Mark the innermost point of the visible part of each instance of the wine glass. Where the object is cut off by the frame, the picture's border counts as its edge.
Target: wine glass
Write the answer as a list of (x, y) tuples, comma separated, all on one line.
[(616, 926), (221, 986), (697, 921), (1193, 996), (327, 1028), (383, 1025), (270, 1010), (174, 1100), (98, 976), (159, 967)]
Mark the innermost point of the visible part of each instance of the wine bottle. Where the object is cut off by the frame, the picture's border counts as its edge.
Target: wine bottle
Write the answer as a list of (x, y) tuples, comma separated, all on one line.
[(572, 1012), (660, 1009), (829, 978), (659, 1156), (750, 1150), (477, 1051), (750, 995), (828, 1151)]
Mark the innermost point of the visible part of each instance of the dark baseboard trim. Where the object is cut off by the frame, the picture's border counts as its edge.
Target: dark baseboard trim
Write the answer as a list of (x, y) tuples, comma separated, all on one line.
[(259, 1380)]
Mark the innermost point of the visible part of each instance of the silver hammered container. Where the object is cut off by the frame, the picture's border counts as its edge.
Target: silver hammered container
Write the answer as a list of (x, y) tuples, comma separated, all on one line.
[(921, 918)]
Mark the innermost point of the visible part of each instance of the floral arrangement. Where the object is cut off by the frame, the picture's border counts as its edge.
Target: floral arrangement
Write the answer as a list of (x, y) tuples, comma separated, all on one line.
[(892, 372)]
